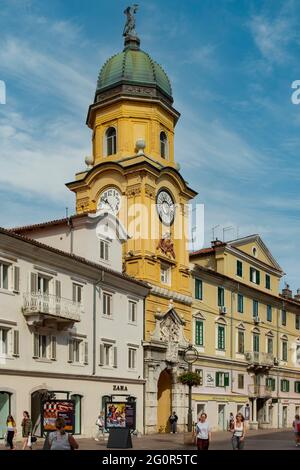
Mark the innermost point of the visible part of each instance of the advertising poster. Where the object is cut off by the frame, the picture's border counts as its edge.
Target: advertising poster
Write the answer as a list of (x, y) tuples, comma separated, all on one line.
[(120, 415), (53, 409)]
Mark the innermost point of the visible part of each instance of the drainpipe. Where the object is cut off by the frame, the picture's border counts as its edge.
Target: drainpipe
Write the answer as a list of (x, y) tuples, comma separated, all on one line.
[(95, 285)]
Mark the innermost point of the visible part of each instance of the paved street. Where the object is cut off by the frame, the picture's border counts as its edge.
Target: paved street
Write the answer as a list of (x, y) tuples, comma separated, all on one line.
[(256, 440)]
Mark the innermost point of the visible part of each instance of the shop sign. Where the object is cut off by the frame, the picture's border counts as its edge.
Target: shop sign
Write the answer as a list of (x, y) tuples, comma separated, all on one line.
[(120, 388), (209, 380)]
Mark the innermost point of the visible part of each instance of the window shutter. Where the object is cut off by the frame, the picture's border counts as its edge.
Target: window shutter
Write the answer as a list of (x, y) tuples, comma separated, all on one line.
[(74, 293), (70, 350), (35, 345), (16, 279), (58, 289), (115, 357), (217, 379), (53, 348), (106, 251), (287, 385), (86, 352), (101, 355), (16, 351), (258, 277), (33, 283), (226, 379)]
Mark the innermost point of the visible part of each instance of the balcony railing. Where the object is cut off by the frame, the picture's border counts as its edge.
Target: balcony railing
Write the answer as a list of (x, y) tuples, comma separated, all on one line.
[(259, 391), (259, 358), (37, 303)]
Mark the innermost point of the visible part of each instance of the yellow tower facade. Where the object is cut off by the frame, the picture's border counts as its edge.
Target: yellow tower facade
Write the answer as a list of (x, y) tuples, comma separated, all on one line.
[(132, 174)]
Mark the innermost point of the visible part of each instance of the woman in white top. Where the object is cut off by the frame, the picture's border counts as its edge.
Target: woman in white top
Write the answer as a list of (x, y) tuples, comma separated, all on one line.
[(238, 432), (203, 433)]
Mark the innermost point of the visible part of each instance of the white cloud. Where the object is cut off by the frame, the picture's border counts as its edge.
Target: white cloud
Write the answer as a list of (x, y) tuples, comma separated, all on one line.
[(273, 35)]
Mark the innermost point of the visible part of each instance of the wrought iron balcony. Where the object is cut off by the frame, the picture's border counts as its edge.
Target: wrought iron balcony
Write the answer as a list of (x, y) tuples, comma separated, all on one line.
[(40, 308), (259, 359), (259, 391)]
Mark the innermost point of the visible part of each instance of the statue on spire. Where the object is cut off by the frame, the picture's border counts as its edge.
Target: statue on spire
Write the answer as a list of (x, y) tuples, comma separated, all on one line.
[(129, 28)]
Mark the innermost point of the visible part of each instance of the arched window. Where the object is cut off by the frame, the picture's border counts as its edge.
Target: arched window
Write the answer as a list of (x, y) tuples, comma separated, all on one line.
[(163, 145), (111, 141)]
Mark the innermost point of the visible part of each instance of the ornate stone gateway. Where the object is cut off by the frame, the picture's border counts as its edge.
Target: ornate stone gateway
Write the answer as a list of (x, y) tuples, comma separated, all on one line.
[(164, 362)]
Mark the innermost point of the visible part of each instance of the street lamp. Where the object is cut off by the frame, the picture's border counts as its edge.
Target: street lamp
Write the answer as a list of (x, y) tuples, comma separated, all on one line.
[(190, 356)]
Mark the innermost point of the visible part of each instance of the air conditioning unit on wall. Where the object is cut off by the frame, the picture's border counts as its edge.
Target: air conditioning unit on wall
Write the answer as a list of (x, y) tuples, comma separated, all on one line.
[(223, 310)]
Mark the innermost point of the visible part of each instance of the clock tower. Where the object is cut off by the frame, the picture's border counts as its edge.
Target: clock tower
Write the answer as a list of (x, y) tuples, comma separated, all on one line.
[(132, 173)]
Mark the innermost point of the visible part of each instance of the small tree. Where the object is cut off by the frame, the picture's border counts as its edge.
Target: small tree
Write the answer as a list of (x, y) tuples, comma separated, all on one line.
[(190, 378)]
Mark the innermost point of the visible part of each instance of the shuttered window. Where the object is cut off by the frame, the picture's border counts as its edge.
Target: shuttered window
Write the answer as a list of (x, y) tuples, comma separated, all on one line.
[(240, 303), (16, 279), (221, 337), (283, 317), (284, 351), (16, 343), (285, 385), (222, 379), (269, 313), (86, 352), (198, 289), (239, 268), (270, 345), (199, 333), (241, 342), (131, 358), (255, 342), (53, 348), (221, 297)]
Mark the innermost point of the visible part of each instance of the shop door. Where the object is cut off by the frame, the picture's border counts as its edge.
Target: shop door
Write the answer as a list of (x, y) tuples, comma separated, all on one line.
[(4, 411), (221, 417), (284, 416)]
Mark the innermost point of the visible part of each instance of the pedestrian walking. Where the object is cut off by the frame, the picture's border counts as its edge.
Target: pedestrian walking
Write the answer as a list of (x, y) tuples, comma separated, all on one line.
[(203, 433), (173, 422), (296, 427), (238, 432), (11, 430), (59, 439), (231, 422), (26, 430), (100, 423)]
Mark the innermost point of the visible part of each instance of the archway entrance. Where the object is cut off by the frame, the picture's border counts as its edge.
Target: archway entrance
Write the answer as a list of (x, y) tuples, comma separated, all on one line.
[(164, 401)]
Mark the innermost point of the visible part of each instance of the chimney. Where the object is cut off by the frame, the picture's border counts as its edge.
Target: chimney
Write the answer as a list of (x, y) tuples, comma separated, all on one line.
[(286, 292), (297, 296), (216, 242)]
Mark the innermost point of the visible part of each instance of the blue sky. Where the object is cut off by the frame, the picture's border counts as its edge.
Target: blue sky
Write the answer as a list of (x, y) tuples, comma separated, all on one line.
[(231, 64)]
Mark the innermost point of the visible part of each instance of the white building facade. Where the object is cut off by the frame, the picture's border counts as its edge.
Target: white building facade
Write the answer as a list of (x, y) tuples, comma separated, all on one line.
[(70, 327)]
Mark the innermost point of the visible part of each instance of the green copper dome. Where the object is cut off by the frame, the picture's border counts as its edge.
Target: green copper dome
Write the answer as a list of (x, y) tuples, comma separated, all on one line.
[(133, 66)]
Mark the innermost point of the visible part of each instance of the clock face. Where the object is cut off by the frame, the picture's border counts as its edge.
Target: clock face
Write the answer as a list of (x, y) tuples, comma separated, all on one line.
[(110, 201), (165, 207)]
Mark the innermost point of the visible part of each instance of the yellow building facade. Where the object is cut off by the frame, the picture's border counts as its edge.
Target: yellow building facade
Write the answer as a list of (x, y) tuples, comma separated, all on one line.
[(132, 173), (247, 335)]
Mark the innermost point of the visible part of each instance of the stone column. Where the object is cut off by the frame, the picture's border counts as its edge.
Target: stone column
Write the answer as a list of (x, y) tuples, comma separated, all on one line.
[(267, 412), (150, 399), (254, 418), (179, 400)]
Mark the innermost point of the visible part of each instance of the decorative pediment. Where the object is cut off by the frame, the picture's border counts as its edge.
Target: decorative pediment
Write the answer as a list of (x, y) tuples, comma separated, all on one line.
[(221, 321), (256, 330), (241, 326), (169, 330), (270, 334), (199, 316)]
